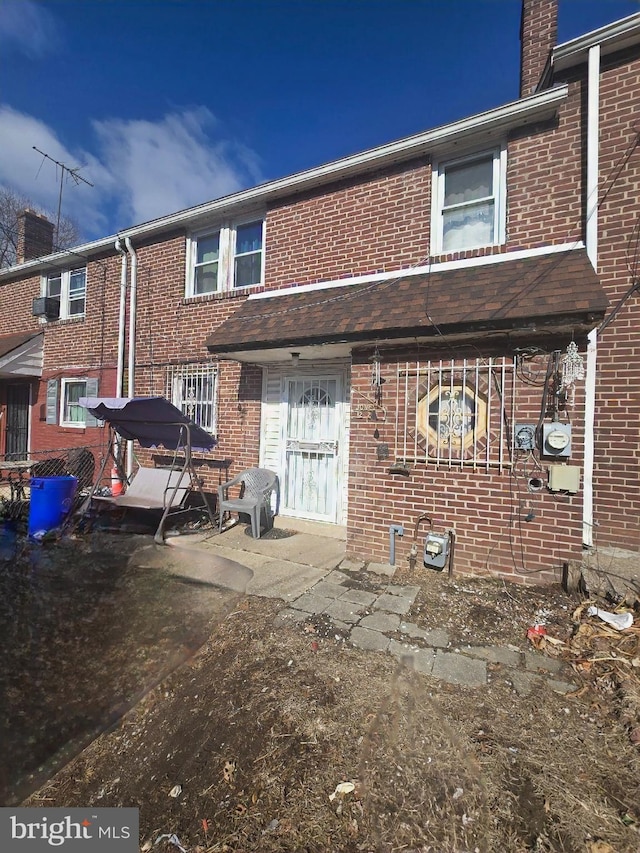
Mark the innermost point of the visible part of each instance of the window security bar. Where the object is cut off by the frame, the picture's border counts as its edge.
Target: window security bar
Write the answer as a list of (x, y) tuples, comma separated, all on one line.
[(455, 413)]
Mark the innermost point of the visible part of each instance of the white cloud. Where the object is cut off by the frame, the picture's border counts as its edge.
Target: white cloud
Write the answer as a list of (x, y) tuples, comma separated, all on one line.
[(140, 169), (171, 164), (28, 28), (25, 170)]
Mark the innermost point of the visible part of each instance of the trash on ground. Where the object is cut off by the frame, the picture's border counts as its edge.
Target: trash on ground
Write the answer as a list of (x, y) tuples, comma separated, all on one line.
[(619, 621), (229, 771), (172, 838), (535, 632), (175, 791), (342, 788)]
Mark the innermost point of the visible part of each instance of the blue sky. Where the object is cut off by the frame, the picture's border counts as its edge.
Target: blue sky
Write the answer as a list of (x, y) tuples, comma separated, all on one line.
[(169, 103)]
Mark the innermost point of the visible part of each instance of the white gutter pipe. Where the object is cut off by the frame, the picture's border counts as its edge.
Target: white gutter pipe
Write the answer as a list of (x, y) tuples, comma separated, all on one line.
[(133, 293), (591, 212), (121, 316), (121, 327)]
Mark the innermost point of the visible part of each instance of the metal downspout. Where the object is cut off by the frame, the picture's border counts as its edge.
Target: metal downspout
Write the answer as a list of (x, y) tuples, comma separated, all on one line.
[(133, 293), (121, 316), (593, 128)]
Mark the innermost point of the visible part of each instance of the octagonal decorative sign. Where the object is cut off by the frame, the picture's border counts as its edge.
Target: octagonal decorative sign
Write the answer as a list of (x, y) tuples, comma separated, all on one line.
[(452, 417)]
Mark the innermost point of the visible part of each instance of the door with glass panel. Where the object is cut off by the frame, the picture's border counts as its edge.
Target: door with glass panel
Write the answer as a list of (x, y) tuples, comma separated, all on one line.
[(313, 406)]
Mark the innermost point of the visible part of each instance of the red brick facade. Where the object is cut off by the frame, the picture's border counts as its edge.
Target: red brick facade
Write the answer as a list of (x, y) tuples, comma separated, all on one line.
[(375, 223)]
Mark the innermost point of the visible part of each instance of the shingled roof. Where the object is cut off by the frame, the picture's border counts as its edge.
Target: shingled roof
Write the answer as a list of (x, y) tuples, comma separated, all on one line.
[(9, 343), (556, 288)]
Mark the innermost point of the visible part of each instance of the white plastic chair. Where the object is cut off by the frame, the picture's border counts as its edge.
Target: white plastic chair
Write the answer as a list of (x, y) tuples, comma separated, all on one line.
[(257, 486)]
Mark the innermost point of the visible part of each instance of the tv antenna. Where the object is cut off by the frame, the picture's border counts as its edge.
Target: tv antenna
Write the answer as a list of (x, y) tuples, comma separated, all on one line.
[(74, 174)]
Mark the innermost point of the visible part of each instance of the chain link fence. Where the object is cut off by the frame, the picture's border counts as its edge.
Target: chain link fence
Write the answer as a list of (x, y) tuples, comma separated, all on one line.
[(16, 474)]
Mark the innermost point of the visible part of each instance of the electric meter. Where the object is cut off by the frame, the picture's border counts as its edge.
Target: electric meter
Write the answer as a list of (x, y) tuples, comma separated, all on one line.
[(556, 439)]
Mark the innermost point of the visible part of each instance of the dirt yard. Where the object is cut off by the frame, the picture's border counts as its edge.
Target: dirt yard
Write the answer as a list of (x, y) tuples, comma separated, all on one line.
[(243, 747)]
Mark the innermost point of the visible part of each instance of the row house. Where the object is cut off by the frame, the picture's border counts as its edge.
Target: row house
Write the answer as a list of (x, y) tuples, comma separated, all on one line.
[(440, 333)]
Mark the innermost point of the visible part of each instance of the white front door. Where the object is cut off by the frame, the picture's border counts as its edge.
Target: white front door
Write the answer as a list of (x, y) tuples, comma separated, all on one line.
[(311, 444)]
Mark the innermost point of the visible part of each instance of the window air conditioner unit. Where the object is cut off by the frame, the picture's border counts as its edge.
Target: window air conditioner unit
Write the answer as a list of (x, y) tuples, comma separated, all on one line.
[(46, 306)]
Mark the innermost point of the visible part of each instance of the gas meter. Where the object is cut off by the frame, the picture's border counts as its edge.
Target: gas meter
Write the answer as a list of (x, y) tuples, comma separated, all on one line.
[(438, 547), (436, 550)]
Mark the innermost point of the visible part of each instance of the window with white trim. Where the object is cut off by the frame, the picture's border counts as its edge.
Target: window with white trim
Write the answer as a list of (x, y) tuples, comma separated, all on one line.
[(226, 259), (72, 414), (69, 289), (192, 388), (468, 208)]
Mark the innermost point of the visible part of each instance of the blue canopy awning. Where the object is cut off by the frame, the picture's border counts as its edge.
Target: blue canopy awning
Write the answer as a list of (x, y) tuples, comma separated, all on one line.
[(151, 421)]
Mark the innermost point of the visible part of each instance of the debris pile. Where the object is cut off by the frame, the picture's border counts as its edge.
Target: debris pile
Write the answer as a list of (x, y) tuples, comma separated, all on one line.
[(604, 650)]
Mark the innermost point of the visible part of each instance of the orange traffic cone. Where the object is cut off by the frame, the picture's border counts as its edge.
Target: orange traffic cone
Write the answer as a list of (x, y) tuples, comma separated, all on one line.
[(116, 483)]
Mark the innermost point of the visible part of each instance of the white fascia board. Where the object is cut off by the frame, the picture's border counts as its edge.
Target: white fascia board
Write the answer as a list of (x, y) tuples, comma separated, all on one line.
[(500, 119), (430, 269), (612, 37), (63, 259)]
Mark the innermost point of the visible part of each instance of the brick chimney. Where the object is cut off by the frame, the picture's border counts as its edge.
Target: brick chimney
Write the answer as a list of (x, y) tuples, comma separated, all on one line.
[(538, 36), (35, 236)]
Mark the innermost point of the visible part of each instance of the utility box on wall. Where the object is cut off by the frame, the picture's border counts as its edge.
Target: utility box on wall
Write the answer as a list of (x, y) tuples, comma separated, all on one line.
[(564, 478)]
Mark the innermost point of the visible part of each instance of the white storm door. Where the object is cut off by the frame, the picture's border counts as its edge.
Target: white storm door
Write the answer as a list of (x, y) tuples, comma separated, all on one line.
[(311, 447)]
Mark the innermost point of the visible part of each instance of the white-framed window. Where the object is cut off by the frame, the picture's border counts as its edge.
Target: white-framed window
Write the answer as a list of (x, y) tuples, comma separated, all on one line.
[(69, 289), (192, 388), (469, 202), (63, 407), (226, 258), (72, 414)]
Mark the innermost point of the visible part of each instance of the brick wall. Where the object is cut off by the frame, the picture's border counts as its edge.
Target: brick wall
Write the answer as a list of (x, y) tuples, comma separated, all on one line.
[(487, 509), (538, 34), (617, 426), (366, 225)]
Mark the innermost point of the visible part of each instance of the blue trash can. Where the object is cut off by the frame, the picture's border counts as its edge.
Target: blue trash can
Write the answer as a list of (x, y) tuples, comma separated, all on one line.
[(51, 500)]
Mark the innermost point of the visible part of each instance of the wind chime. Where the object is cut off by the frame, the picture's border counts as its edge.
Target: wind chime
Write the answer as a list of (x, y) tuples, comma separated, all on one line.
[(572, 371), (376, 378)]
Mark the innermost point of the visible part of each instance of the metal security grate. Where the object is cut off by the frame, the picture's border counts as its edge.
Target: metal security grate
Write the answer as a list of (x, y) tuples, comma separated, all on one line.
[(455, 413), (192, 388)]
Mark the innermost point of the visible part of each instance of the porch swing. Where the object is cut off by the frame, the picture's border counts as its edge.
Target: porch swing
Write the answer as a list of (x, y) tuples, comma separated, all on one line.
[(152, 422)]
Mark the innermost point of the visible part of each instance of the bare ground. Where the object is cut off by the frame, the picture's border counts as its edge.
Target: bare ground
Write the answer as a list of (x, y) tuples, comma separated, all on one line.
[(255, 732)]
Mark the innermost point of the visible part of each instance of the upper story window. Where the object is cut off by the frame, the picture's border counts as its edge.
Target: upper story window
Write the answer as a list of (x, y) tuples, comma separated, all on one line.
[(469, 202), (227, 258), (69, 289)]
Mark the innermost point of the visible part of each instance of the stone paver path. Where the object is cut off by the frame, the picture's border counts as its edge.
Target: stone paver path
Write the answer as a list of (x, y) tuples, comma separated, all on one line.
[(374, 621)]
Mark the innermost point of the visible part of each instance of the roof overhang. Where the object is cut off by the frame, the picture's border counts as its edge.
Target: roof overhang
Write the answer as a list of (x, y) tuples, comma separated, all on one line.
[(21, 355), (611, 38), (484, 127), (521, 296)]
